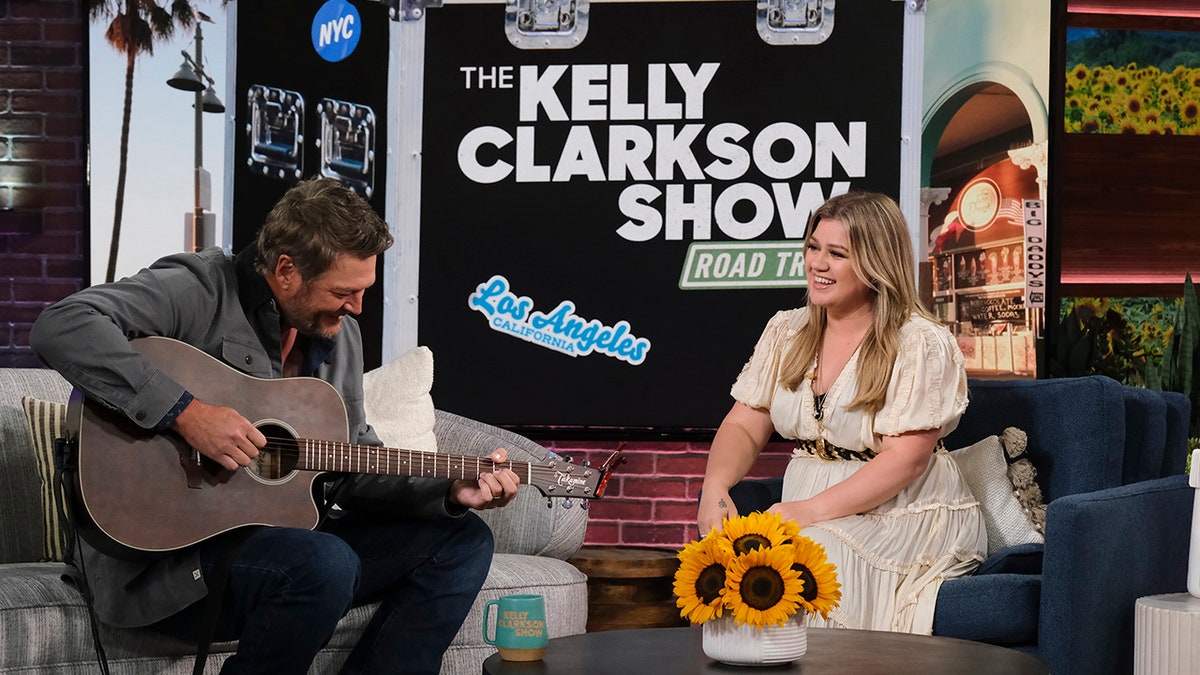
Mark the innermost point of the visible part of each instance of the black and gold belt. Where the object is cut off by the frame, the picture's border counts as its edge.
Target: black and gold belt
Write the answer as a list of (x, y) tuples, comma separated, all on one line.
[(832, 453)]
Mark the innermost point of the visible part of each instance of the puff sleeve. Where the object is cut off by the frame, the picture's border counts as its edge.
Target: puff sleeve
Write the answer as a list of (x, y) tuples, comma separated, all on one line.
[(755, 385), (929, 382)]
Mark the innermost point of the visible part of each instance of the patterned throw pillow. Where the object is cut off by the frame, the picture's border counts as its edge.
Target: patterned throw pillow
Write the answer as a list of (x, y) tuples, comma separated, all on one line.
[(1003, 481), (45, 425)]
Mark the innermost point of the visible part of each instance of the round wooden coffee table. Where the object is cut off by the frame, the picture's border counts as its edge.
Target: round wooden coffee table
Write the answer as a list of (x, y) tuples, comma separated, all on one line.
[(667, 651)]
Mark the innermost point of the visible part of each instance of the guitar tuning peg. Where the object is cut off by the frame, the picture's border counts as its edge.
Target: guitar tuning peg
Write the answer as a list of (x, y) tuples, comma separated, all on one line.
[(567, 503), (585, 505), (586, 462), (568, 459), (549, 503)]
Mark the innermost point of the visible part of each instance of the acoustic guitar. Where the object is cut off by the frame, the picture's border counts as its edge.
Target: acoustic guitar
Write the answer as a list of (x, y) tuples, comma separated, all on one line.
[(140, 492)]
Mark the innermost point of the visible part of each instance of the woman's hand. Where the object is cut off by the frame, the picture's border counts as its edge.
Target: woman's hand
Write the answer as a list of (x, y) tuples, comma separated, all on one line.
[(801, 511)]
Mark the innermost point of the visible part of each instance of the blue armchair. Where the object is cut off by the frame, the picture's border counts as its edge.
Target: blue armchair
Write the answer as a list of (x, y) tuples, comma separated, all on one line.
[(1110, 461)]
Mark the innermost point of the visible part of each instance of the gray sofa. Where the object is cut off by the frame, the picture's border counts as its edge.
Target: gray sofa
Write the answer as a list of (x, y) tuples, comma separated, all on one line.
[(44, 624)]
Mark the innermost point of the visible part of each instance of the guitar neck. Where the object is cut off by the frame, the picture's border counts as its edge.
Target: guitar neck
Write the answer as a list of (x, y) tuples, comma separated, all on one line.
[(340, 457), (555, 478)]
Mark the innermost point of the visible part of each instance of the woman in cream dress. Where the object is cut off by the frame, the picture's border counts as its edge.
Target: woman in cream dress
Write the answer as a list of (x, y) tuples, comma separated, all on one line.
[(868, 384)]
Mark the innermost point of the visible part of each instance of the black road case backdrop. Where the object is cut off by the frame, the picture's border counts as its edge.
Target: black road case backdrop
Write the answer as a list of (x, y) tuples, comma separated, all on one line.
[(312, 85), (605, 230)]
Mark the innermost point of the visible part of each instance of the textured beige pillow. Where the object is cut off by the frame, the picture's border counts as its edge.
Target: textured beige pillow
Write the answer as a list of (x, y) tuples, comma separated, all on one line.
[(45, 425), (1013, 512), (397, 401)]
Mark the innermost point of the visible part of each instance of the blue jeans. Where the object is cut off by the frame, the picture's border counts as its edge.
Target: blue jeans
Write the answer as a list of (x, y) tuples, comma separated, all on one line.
[(288, 588)]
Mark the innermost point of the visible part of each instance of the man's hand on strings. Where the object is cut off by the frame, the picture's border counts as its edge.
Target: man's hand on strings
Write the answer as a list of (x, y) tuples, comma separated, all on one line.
[(220, 434), (493, 489)]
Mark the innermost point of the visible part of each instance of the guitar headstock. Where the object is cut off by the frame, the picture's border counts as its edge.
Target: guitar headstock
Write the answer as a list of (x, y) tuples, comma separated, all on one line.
[(560, 478)]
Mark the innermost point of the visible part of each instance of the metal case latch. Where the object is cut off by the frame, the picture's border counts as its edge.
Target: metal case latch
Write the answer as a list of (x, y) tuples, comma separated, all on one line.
[(795, 22), (276, 131), (545, 24), (347, 144)]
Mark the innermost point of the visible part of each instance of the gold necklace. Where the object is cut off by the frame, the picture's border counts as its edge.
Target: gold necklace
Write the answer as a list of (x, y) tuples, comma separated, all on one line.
[(818, 405), (819, 400)]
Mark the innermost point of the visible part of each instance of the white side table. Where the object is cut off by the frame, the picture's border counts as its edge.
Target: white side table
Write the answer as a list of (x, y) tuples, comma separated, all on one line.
[(1166, 635)]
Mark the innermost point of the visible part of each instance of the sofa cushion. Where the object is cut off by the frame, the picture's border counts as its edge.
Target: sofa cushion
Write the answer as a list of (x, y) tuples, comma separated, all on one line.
[(1145, 434), (45, 421), (1001, 609), (1071, 422), (1002, 479), (50, 616)]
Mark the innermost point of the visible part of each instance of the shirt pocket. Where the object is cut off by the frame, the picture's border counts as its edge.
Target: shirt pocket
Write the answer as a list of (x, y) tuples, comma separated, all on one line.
[(248, 358)]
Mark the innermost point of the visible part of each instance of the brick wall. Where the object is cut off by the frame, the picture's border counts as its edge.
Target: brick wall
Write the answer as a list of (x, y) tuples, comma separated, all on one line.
[(651, 499), (42, 178)]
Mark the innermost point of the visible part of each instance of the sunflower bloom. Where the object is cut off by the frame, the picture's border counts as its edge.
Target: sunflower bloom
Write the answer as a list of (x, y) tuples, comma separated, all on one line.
[(754, 531), (761, 587), (821, 590), (700, 580), (1189, 111)]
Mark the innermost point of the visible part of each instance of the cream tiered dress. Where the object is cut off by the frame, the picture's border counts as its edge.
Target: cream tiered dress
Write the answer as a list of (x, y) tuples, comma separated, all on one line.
[(892, 559)]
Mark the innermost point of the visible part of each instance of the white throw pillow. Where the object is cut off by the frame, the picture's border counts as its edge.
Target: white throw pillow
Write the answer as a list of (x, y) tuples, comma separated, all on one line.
[(1013, 512), (397, 401)]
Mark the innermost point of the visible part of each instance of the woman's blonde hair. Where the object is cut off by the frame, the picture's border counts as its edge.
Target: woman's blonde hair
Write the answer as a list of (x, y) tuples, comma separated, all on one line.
[(881, 255)]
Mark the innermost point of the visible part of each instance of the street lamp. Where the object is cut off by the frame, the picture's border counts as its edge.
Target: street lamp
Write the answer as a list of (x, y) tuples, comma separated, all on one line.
[(192, 77)]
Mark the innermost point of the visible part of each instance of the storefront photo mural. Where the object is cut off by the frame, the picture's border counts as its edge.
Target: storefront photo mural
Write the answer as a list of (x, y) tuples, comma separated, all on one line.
[(985, 171)]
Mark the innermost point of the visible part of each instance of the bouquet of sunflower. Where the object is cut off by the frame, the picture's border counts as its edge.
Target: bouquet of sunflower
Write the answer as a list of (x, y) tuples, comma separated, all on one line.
[(758, 568)]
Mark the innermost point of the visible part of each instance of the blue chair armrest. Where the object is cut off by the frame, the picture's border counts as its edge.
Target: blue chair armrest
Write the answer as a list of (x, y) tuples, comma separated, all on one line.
[(1019, 559), (1104, 550)]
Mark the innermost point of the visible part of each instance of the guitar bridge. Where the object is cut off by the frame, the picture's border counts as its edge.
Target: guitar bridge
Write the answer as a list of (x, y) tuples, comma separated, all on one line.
[(189, 459)]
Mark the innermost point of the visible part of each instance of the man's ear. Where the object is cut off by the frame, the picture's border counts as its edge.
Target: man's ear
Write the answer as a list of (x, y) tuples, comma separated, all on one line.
[(287, 276)]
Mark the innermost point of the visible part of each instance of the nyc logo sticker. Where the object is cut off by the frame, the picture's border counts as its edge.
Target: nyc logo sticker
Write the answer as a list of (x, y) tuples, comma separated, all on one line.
[(335, 30)]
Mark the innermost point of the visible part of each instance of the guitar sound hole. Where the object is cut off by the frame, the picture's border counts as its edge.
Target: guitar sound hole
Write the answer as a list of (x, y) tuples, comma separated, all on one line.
[(279, 457)]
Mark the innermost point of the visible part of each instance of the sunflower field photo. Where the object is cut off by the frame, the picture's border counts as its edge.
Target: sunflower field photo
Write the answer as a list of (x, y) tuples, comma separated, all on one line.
[(1132, 82)]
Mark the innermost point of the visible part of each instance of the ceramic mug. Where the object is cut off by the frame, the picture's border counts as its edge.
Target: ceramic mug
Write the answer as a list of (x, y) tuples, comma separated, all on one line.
[(520, 627)]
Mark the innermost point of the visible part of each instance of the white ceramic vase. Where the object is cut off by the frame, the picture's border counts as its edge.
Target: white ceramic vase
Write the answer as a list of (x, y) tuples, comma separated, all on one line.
[(745, 645)]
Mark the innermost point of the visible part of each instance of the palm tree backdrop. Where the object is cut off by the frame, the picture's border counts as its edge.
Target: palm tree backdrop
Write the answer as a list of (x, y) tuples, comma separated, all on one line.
[(135, 26)]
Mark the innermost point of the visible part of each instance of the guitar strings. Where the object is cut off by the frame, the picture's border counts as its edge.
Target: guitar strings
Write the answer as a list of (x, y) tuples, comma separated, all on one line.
[(344, 451)]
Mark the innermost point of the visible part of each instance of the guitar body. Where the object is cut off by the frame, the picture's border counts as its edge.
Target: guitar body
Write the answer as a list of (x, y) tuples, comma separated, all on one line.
[(139, 492)]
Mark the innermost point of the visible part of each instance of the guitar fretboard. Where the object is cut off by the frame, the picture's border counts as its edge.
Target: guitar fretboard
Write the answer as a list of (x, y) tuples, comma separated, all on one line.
[(555, 478), (351, 458)]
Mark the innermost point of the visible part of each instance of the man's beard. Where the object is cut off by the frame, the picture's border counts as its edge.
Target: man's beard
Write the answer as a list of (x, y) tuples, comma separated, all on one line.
[(305, 319)]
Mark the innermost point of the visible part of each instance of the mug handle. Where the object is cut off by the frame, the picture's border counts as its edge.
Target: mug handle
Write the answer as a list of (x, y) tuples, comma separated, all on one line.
[(486, 608)]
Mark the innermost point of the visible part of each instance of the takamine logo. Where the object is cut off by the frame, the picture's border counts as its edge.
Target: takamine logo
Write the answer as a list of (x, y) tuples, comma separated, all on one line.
[(560, 329)]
